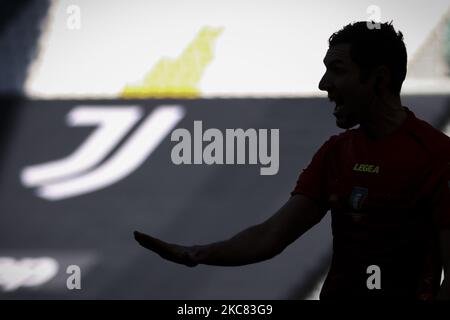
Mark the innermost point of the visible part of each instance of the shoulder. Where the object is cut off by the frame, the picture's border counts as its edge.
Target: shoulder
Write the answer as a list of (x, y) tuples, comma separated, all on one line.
[(337, 140), (332, 145), (431, 139)]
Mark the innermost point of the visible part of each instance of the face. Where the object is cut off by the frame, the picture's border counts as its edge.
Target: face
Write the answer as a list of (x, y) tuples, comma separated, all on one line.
[(341, 80)]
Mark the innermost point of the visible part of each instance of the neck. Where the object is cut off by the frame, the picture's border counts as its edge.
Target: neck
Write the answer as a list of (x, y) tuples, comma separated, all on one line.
[(384, 116)]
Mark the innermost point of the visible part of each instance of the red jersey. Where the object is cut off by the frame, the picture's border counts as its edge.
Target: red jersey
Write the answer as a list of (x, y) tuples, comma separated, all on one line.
[(388, 199)]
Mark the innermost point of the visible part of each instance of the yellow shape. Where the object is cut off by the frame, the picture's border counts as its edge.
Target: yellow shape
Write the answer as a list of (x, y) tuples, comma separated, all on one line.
[(178, 78)]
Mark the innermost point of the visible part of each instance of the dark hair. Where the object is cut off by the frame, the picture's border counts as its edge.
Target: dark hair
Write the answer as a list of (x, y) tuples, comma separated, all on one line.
[(373, 47)]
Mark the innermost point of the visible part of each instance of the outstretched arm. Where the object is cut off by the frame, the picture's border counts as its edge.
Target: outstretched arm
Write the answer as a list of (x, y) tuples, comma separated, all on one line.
[(255, 244)]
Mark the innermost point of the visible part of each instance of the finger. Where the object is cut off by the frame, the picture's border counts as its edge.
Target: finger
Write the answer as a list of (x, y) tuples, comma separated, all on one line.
[(174, 253), (150, 243)]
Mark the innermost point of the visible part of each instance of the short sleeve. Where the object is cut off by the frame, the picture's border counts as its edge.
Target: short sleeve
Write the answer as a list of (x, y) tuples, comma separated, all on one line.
[(312, 180), (441, 199)]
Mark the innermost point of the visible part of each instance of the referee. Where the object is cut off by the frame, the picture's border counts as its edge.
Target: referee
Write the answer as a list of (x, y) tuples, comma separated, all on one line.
[(386, 183)]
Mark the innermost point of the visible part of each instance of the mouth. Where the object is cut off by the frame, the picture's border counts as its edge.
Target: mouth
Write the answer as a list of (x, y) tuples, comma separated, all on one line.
[(339, 106), (338, 109)]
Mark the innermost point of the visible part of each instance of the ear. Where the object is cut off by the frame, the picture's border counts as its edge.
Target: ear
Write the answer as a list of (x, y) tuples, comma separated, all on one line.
[(382, 78)]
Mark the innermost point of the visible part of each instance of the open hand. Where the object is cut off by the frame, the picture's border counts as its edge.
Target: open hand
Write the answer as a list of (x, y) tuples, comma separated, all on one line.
[(172, 252)]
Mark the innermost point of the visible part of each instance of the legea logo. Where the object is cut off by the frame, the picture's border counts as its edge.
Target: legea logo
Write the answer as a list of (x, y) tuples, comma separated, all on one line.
[(80, 172)]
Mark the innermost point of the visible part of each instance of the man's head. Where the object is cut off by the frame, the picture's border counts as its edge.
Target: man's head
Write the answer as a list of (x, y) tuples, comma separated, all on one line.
[(363, 65)]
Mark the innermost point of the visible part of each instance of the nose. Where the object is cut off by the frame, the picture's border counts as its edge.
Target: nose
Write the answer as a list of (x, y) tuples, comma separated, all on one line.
[(324, 83)]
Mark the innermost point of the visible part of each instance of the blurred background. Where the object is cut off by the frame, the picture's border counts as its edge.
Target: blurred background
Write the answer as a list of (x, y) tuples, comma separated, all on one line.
[(90, 92)]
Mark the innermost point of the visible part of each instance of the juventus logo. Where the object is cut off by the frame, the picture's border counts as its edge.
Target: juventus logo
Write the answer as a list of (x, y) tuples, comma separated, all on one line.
[(80, 172)]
